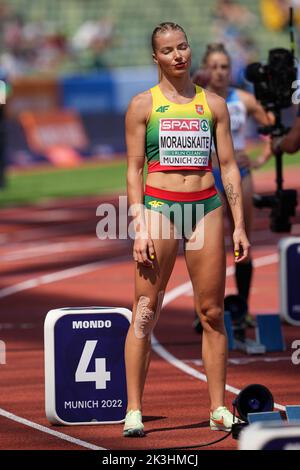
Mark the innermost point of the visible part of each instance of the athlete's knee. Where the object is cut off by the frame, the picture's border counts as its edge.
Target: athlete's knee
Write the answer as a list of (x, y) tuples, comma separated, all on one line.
[(212, 316), (147, 314)]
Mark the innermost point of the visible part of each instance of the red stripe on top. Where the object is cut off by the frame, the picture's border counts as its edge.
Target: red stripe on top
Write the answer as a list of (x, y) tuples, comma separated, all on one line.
[(180, 196), (156, 166)]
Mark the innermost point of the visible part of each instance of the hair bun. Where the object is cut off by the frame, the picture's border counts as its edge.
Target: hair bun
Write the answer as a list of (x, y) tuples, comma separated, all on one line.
[(212, 48)]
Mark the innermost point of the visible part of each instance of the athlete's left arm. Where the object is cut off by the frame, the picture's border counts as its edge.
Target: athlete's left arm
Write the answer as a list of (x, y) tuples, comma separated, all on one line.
[(230, 174), (255, 109)]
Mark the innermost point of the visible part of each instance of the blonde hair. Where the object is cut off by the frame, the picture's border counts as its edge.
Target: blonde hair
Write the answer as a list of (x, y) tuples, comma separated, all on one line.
[(160, 29), (163, 28)]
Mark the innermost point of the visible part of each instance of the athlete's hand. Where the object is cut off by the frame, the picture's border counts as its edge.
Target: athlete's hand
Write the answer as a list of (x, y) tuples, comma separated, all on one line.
[(243, 160), (241, 245), (265, 156), (143, 250)]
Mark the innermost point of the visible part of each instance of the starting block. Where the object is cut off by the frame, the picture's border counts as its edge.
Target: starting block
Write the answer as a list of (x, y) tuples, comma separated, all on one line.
[(293, 413), (268, 337), (269, 332), (235, 307), (85, 381), (264, 416)]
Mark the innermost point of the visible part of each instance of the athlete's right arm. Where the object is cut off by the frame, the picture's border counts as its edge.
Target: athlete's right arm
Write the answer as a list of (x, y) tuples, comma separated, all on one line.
[(136, 118), (229, 173)]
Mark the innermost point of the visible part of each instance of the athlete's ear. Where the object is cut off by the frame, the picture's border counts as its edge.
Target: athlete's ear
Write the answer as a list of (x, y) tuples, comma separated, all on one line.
[(154, 58)]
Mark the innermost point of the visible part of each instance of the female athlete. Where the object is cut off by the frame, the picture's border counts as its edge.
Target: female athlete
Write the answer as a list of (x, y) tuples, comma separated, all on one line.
[(170, 127), (241, 104)]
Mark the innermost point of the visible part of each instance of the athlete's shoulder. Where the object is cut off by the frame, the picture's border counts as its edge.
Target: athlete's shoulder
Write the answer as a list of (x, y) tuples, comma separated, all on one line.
[(140, 106), (141, 99), (246, 97), (216, 102)]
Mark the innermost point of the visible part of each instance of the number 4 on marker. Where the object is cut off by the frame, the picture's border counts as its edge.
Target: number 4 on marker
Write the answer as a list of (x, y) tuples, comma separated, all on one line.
[(100, 376)]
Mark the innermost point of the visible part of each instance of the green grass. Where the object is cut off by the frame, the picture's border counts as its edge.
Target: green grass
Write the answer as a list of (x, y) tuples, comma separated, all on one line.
[(288, 160), (28, 187), (92, 179)]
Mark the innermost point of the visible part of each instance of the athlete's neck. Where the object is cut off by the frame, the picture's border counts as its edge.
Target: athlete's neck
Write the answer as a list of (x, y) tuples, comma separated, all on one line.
[(219, 91), (177, 87)]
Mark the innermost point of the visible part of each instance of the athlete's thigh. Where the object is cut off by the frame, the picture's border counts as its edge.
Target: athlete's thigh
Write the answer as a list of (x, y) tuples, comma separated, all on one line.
[(151, 281), (206, 265)]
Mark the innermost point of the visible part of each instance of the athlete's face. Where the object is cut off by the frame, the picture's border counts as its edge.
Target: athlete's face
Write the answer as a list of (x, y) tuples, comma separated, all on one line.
[(173, 53), (218, 66)]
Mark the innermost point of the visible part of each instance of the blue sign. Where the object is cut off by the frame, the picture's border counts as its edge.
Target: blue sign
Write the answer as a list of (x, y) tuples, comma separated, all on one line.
[(85, 368), (290, 279), (282, 443), (88, 93)]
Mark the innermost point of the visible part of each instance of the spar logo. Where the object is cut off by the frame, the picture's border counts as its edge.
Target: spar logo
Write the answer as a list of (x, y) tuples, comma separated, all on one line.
[(180, 125)]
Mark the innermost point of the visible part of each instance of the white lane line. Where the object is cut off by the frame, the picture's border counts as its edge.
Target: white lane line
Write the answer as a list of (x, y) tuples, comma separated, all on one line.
[(187, 289), (17, 326), (167, 356), (58, 276), (266, 260), (55, 215), (31, 234), (51, 215), (157, 347), (83, 227), (183, 289), (39, 427), (45, 249), (31, 283), (243, 360)]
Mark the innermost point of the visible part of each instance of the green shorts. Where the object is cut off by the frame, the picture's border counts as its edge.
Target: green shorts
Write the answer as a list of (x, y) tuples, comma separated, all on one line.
[(184, 210)]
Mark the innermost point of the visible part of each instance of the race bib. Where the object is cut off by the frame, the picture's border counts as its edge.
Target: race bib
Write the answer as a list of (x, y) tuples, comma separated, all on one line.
[(184, 142)]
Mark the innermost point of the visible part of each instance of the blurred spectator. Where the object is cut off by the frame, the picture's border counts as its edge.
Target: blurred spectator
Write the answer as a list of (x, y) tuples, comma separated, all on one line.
[(232, 13), (234, 25), (94, 37), (275, 13), (38, 47)]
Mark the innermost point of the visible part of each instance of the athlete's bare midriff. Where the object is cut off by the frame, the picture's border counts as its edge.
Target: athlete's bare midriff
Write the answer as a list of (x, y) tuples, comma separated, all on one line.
[(181, 181)]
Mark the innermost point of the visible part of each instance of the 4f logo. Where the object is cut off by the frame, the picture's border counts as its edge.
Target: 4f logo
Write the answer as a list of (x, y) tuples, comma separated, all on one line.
[(156, 203), (162, 109)]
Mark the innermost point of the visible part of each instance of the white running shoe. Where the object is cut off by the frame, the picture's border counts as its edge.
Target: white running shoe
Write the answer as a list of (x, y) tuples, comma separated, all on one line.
[(133, 426), (221, 419)]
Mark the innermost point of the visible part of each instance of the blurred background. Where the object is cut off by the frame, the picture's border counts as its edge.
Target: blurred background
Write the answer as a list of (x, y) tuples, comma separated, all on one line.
[(72, 66)]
